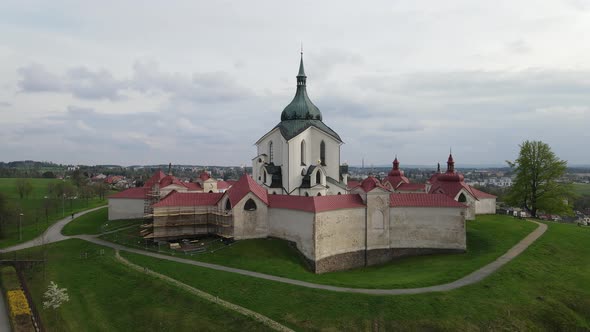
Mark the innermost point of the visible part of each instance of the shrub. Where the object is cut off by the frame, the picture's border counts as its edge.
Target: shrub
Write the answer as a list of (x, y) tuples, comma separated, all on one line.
[(17, 303), (8, 278)]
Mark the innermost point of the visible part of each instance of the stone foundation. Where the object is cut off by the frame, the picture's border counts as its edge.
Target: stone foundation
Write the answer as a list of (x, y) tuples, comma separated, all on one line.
[(356, 259)]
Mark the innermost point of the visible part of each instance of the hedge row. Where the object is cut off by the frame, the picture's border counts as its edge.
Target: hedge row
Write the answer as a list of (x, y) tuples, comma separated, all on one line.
[(18, 306)]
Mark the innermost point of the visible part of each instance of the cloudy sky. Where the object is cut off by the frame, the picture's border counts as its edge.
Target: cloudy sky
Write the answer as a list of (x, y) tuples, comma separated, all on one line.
[(198, 82)]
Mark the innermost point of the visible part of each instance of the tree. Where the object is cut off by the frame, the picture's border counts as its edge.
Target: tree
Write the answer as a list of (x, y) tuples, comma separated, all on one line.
[(55, 297), (23, 187), (48, 175), (536, 187)]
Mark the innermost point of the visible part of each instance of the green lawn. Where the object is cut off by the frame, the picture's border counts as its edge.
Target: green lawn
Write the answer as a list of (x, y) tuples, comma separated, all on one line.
[(108, 296), (487, 238), (581, 188), (96, 222), (38, 212), (546, 288)]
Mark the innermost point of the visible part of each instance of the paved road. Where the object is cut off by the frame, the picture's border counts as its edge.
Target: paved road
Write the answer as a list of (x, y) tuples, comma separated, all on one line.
[(54, 235), (51, 234)]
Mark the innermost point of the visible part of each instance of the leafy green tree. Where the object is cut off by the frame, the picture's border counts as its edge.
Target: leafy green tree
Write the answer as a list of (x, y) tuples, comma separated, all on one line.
[(23, 187), (537, 185)]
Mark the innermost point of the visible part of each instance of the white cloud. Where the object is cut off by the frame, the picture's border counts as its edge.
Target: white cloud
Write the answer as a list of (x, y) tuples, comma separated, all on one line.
[(199, 82)]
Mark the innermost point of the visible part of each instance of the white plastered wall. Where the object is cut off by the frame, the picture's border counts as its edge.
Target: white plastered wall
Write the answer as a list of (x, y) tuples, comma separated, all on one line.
[(420, 227), (125, 208), (339, 231), (250, 224), (485, 206), (295, 226)]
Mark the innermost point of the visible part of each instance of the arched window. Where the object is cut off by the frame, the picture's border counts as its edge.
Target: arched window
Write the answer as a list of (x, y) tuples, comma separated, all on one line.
[(319, 194), (250, 205), (323, 153), (318, 177), (339, 193), (264, 175), (210, 191), (228, 205), (462, 198), (302, 153), (271, 156), (306, 194)]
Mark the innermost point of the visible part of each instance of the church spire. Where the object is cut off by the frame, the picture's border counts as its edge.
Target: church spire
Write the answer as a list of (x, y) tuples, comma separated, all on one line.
[(395, 164), (301, 78), (450, 164), (301, 108)]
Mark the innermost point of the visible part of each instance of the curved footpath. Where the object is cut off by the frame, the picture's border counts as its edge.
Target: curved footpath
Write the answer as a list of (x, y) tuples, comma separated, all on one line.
[(53, 234)]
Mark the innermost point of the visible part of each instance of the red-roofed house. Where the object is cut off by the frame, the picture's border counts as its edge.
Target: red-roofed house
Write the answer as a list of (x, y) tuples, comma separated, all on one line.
[(452, 184), (133, 203)]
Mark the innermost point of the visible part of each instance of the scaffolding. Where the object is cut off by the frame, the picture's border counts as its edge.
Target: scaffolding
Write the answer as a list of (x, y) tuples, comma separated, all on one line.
[(184, 222), (151, 197)]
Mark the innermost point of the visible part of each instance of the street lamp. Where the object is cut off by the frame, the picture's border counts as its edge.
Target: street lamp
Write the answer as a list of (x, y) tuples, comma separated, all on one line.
[(20, 227)]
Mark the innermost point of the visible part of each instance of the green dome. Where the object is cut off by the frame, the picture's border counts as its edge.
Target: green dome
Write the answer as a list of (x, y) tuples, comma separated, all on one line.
[(301, 108)]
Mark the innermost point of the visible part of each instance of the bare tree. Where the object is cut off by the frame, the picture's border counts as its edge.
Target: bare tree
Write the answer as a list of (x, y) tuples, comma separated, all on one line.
[(23, 187)]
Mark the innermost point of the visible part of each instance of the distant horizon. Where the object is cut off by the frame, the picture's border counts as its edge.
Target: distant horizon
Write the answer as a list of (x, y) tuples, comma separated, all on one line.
[(402, 166)]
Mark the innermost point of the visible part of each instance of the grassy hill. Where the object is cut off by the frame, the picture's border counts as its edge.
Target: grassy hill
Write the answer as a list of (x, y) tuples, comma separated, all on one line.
[(545, 288), (487, 238), (108, 296), (39, 209)]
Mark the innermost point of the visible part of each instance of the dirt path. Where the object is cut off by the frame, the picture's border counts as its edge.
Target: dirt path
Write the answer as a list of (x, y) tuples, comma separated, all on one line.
[(54, 235), (206, 296)]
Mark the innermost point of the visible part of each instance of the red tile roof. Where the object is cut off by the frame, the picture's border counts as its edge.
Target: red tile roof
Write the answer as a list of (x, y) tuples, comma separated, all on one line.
[(422, 200), (481, 194), (189, 199), (353, 184), (395, 180), (204, 176), (231, 182), (169, 179), (194, 186), (450, 183), (132, 193), (223, 185), (316, 203), (155, 179), (412, 187), (245, 185), (371, 183)]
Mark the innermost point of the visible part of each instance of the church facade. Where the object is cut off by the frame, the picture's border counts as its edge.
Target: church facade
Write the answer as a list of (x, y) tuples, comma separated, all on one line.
[(300, 192)]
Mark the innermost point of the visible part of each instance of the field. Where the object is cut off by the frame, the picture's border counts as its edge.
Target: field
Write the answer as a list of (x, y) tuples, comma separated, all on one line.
[(488, 238), (545, 288), (96, 222), (38, 212), (582, 188), (108, 296)]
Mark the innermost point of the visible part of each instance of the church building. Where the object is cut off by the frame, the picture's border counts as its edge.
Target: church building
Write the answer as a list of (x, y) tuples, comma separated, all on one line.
[(300, 192), (300, 155)]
